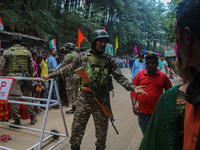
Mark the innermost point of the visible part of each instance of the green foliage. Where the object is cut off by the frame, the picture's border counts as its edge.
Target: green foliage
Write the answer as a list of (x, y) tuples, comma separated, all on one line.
[(169, 20), (137, 22)]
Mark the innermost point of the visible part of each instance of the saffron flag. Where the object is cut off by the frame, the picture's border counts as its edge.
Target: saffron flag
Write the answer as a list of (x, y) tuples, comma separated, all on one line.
[(116, 43), (149, 51), (52, 43), (81, 37), (145, 51), (1, 25), (175, 49), (135, 50)]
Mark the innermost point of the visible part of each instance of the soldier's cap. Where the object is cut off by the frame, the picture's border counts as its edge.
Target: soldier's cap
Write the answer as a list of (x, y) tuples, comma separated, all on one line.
[(97, 34), (70, 45)]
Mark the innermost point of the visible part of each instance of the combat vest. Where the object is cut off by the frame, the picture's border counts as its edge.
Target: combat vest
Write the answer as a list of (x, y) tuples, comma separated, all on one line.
[(100, 69), (22, 55)]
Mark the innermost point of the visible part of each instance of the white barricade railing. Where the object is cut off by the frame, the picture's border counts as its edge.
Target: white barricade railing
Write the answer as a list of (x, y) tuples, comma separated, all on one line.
[(49, 103)]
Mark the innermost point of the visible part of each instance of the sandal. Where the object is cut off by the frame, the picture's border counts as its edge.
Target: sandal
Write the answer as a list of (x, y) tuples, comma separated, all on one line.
[(3, 139), (7, 136)]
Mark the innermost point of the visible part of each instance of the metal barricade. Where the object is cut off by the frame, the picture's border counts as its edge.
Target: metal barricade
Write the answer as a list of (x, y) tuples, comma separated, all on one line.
[(49, 103)]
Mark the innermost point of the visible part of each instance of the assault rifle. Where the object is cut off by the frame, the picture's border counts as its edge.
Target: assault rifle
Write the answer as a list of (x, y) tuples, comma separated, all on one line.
[(81, 72)]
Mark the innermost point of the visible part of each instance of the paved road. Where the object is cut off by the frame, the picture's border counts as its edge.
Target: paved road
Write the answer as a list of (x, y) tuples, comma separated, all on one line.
[(129, 137)]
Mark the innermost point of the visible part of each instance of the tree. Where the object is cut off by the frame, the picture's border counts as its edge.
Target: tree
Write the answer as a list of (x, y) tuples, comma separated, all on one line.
[(137, 22)]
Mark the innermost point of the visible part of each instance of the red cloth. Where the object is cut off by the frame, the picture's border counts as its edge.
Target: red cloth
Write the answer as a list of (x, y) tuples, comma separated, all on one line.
[(5, 113), (23, 112), (191, 126), (154, 88)]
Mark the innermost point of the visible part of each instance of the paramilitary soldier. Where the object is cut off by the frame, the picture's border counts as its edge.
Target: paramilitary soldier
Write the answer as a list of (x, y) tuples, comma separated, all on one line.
[(100, 66), (71, 80), (13, 58)]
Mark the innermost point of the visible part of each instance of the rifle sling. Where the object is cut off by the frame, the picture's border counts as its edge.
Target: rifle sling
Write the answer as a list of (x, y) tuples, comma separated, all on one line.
[(88, 64)]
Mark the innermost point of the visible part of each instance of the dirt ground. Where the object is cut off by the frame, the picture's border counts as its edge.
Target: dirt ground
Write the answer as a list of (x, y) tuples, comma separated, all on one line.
[(129, 137)]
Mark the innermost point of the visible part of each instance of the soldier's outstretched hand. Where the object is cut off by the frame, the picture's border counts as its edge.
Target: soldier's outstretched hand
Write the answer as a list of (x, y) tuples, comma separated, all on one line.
[(46, 77), (139, 90)]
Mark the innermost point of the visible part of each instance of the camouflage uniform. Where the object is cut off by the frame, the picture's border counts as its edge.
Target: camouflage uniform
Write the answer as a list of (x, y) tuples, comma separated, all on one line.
[(71, 80), (72, 85), (86, 105), (4, 71)]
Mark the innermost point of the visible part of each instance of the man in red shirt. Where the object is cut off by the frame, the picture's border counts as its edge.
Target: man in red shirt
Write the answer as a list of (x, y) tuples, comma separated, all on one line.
[(155, 82)]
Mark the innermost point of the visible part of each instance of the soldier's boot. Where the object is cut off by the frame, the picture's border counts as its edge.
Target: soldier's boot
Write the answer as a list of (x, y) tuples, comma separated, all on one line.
[(75, 147), (17, 122), (33, 119), (72, 111)]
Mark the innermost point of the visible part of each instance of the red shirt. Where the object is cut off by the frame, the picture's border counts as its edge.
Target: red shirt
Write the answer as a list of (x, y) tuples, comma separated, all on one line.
[(191, 126), (154, 88)]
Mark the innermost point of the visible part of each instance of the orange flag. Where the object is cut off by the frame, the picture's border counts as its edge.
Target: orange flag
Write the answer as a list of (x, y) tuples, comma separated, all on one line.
[(81, 37), (149, 51)]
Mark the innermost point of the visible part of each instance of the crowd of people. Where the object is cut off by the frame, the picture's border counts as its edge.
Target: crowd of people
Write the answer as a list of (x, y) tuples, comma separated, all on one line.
[(168, 116), (175, 121), (19, 61), (137, 63)]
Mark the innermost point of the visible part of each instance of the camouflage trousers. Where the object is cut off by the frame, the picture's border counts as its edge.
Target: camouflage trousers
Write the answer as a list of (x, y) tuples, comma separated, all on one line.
[(15, 108), (72, 85), (86, 105)]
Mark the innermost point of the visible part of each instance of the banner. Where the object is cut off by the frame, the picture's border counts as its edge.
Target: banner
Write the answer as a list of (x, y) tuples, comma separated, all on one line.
[(176, 47), (135, 49), (116, 43), (81, 37), (52, 44), (5, 87), (1, 25), (109, 49), (145, 53)]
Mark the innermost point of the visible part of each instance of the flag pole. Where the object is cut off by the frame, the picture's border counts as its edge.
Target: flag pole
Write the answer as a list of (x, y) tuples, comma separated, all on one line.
[(87, 41)]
